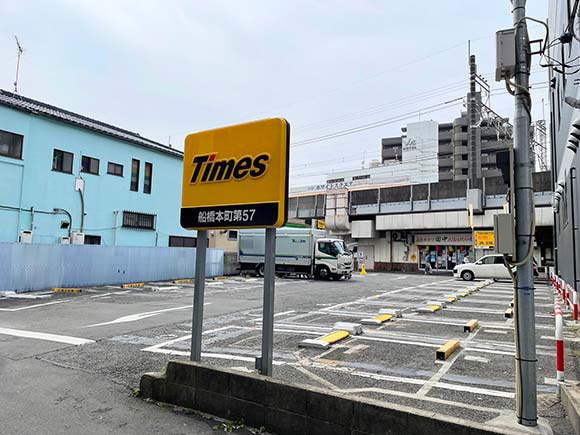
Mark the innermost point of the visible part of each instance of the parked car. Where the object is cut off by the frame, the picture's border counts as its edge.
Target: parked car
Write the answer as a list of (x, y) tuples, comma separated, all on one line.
[(490, 266)]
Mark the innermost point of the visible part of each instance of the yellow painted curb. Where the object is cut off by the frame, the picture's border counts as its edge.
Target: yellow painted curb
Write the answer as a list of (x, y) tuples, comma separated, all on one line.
[(434, 307), (66, 290), (471, 326), (335, 336), (383, 318), (133, 284), (451, 299), (463, 294), (509, 313), (447, 350), (181, 281)]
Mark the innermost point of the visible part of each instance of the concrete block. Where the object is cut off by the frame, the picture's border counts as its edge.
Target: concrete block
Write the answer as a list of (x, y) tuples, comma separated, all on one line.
[(315, 343), (353, 328), (180, 395), (152, 386), (212, 403), (182, 372), (378, 420), (285, 423), (318, 427), (254, 414), (214, 380), (248, 387), (285, 397), (328, 407)]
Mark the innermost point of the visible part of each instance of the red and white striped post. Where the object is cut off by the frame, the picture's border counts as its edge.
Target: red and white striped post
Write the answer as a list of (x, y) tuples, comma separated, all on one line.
[(559, 341), (575, 303)]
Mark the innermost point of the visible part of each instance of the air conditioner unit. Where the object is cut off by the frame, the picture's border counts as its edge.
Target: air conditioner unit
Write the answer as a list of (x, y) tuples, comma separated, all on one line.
[(78, 238), (395, 235), (25, 236), (64, 240)]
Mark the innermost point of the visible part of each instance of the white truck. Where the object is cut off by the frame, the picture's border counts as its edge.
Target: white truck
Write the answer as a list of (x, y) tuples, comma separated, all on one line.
[(300, 251)]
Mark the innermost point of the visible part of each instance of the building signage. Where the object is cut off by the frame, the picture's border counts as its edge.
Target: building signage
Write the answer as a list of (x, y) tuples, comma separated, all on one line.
[(236, 176), (443, 239), (484, 239)]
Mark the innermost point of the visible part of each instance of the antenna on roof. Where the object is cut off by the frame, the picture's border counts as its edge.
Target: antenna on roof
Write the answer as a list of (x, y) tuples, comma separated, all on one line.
[(20, 52), (169, 142)]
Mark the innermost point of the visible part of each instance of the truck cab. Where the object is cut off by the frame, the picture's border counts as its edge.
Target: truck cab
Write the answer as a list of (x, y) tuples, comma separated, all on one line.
[(332, 259)]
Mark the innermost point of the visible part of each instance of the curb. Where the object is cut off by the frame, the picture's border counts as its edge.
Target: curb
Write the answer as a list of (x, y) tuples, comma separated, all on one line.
[(570, 395)]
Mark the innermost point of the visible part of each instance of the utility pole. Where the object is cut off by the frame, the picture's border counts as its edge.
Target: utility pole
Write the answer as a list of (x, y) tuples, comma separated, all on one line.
[(474, 134), (525, 328)]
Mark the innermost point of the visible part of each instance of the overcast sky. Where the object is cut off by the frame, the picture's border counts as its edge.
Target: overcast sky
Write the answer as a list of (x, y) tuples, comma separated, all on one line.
[(168, 68)]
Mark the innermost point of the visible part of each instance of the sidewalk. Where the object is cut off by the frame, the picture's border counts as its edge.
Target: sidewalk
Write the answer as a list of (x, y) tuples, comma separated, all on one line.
[(44, 399)]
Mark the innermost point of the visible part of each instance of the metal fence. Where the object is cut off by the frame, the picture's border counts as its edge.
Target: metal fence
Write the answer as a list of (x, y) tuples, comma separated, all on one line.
[(26, 267)]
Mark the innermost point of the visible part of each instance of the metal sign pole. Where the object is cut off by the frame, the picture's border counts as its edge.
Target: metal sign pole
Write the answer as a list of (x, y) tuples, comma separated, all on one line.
[(268, 309), (198, 294)]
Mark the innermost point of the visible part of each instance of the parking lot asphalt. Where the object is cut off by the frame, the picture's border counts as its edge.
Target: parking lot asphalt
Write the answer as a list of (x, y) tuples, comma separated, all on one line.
[(122, 333)]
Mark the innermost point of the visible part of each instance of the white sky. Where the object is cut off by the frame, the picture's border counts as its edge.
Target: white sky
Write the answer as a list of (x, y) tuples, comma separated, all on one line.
[(168, 68)]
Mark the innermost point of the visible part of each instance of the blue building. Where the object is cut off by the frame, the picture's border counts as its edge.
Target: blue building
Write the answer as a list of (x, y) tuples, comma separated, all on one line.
[(68, 178)]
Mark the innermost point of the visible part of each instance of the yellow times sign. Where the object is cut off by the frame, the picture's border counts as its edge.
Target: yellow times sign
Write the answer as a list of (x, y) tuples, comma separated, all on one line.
[(484, 239), (236, 177)]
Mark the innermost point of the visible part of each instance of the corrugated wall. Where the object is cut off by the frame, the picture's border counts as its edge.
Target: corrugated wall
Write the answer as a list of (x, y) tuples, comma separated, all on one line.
[(26, 267)]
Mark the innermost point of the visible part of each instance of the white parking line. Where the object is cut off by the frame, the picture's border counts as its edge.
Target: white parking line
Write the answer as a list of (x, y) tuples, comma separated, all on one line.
[(141, 316), (34, 306), (46, 337), (476, 358)]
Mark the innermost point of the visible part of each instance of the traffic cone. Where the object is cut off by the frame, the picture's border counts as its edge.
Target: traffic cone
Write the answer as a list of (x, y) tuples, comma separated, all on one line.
[(363, 270)]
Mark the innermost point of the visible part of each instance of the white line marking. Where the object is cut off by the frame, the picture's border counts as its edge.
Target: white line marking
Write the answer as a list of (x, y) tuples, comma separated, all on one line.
[(284, 313), (100, 296), (356, 349), (316, 378), (495, 331), (413, 396), (46, 337), (475, 358), (34, 306), (387, 340), (475, 390), (141, 316)]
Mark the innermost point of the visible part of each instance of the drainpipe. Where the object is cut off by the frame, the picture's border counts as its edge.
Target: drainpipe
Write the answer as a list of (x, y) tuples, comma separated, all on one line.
[(63, 211), (116, 213), (82, 211), (31, 218)]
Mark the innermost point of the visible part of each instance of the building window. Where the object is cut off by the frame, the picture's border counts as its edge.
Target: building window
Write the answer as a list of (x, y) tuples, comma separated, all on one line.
[(115, 169), (335, 180), (232, 235), (142, 221), (90, 165), (135, 175), (92, 240), (148, 176), (10, 145), (62, 161), (182, 242), (361, 177)]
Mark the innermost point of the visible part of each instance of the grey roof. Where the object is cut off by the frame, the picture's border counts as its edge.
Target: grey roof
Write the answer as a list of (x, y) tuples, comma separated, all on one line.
[(19, 102)]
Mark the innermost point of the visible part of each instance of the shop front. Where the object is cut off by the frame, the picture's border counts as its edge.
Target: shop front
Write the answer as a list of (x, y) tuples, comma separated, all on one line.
[(443, 251)]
